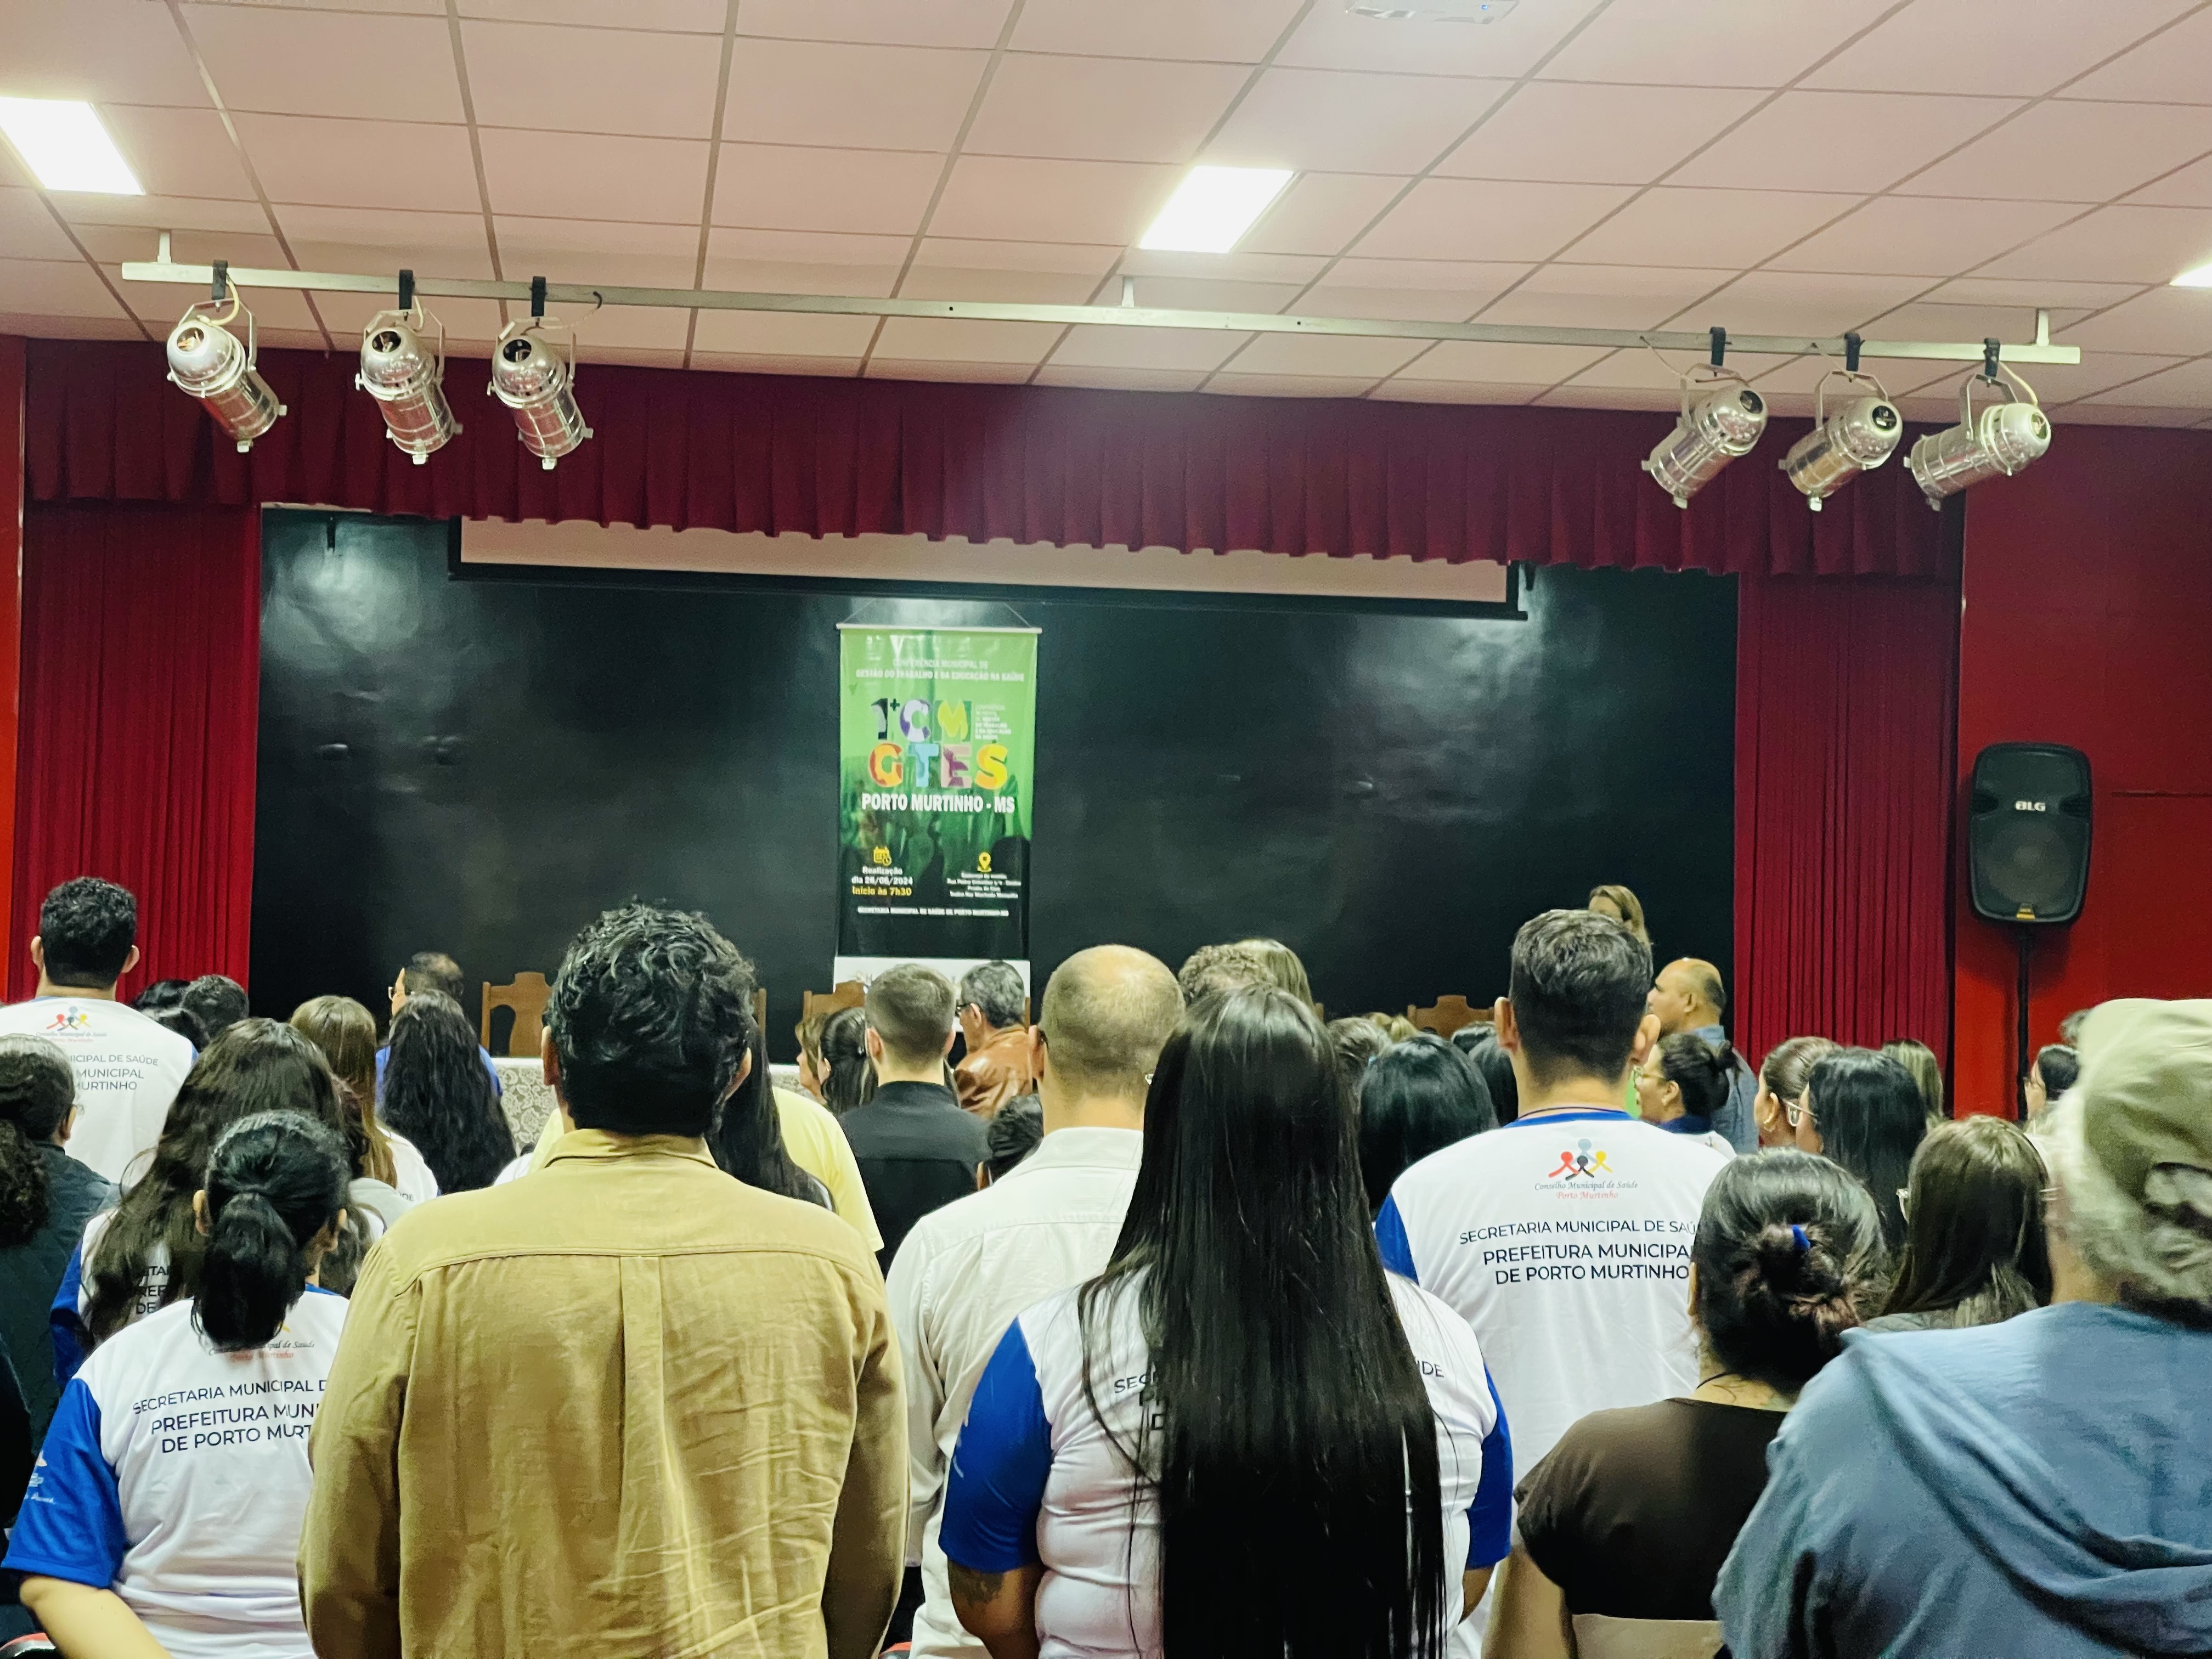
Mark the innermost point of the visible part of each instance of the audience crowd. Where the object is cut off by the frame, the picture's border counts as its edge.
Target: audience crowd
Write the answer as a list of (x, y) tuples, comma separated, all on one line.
[(1173, 1321)]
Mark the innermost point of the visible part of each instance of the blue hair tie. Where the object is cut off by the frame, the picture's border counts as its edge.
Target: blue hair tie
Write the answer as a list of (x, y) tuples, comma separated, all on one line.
[(1804, 1245)]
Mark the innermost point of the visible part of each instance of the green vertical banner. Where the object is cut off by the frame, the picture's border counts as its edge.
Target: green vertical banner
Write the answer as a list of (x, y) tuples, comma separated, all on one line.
[(937, 748)]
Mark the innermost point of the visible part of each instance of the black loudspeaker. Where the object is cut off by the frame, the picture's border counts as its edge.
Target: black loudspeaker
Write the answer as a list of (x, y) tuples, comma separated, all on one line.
[(2028, 836)]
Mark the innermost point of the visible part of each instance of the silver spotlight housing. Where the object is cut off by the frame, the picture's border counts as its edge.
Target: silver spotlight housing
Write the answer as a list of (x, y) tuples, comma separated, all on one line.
[(1725, 419), (1995, 443), (535, 376), (208, 361), (405, 373), (1857, 437)]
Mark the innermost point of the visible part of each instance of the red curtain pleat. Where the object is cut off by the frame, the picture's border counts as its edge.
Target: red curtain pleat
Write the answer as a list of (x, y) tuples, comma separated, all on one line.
[(140, 699), (1845, 782)]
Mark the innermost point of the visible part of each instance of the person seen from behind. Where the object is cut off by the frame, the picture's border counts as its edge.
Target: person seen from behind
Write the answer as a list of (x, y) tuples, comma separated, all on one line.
[(346, 1033), (1863, 1110), (436, 1094), (1975, 1250), (996, 1065), (1782, 1079), (2053, 1072), (1688, 998), (1415, 1098), (1919, 1059), (217, 1001)]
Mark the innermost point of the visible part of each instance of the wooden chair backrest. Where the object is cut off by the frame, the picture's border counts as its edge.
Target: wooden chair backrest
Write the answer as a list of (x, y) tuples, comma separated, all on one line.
[(527, 995), (848, 994), (1449, 1014)]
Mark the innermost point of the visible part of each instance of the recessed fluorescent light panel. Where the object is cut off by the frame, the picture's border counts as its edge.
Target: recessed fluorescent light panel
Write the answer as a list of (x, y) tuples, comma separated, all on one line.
[(1433, 11), (2200, 278), (1212, 209), (64, 144)]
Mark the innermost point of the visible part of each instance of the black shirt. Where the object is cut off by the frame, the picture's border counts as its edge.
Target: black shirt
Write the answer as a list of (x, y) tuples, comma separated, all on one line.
[(917, 1152), (30, 1273)]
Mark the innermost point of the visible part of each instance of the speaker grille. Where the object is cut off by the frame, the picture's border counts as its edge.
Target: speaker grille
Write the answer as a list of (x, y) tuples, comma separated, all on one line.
[(2028, 838)]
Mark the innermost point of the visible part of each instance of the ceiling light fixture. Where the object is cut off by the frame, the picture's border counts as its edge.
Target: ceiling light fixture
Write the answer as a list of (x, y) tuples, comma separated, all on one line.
[(1997, 443), (207, 362), (1858, 437), (1724, 419), (2200, 278), (63, 142), (406, 375), (1212, 209), (535, 376)]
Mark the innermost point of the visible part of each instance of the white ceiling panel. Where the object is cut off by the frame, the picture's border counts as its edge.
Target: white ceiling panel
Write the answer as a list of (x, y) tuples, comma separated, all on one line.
[(155, 214), (1924, 235), (354, 239), (981, 371), (1734, 43), (179, 152), (878, 22), (1843, 141), (2170, 68), (874, 192), (113, 244), (1611, 134), (1302, 118), (2165, 319), (1321, 212), (102, 51), (1489, 220), (364, 164), (1146, 347), (471, 327), (591, 80), (1674, 227), (1410, 388), (694, 16), (1607, 296), (1338, 356), (801, 92), (1103, 109), (1511, 365), (1295, 268), (58, 287), (27, 231), (1021, 199), (2056, 384), (1964, 320), (2074, 152), (274, 310), (951, 340), (585, 176), (1065, 266), (1332, 38), (2115, 244), (2188, 386), (1021, 288), (1454, 293), (2023, 48), (1230, 384), (1584, 392), (1798, 302), (804, 262), (1120, 380), (1224, 31), (792, 335), (314, 63), (59, 325), (2189, 186), (754, 362)]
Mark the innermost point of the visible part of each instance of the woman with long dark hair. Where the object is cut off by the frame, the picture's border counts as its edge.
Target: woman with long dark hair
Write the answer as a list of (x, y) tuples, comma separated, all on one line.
[(847, 1079), (1863, 1110), (1975, 1251), (1624, 1526), (1243, 1440), (747, 1138), (175, 1478), (1415, 1098), (437, 1093)]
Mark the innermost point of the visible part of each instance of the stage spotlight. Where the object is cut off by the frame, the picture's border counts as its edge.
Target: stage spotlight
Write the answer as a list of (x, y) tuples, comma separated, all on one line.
[(1724, 420), (1857, 438), (405, 375), (535, 376), (1997, 443), (208, 361)]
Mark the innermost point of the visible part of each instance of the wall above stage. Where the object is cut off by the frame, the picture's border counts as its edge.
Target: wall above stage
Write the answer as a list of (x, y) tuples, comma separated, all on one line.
[(479, 766)]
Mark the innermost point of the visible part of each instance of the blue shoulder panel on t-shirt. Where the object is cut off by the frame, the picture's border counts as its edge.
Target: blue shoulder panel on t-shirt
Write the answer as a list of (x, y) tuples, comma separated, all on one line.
[(996, 1489), (63, 1322), (1390, 1239), (1490, 1517), (71, 1525)]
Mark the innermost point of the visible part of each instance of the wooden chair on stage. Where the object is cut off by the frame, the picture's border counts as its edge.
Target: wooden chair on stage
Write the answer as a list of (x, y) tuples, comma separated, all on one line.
[(1449, 1014), (527, 997), (848, 994), (760, 1011)]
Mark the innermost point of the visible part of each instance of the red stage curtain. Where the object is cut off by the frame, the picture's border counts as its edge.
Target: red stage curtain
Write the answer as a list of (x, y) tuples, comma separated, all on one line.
[(824, 457), (1845, 781), (140, 693)]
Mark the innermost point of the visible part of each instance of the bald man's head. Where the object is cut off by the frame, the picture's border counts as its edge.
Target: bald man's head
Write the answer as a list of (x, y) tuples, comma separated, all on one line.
[(1688, 996), (1108, 1013)]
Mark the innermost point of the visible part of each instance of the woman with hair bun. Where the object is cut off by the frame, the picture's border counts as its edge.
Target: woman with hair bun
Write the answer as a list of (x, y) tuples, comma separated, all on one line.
[(1623, 1529), (165, 1517)]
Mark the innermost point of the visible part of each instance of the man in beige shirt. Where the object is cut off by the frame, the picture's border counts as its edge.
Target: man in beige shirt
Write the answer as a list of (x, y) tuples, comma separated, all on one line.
[(630, 1406)]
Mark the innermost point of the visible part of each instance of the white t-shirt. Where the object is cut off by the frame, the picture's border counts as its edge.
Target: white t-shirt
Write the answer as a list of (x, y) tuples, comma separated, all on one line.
[(178, 1477), (128, 1071), (1034, 1478), (1564, 1241), (410, 1171)]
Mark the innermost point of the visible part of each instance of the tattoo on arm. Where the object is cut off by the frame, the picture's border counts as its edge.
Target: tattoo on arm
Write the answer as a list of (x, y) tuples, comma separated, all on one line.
[(972, 1586)]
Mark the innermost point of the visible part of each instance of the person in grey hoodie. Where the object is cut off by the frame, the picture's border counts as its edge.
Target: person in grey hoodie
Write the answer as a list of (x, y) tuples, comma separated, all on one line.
[(2042, 1487)]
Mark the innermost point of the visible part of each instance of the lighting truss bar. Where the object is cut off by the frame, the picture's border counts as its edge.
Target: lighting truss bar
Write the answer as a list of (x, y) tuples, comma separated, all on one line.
[(581, 298)]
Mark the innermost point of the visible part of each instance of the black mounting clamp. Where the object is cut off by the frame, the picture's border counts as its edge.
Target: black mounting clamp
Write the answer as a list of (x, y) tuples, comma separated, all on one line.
[(221, 285), (538, 296), (1989, 350), (1852, 343), (407, 290), (1719, 338)]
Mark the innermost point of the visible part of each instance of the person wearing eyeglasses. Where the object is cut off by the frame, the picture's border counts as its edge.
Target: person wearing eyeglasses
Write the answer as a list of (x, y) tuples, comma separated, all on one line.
[(1975, 1251), (1782, 1079), (997, 1065), (1864, 1111)]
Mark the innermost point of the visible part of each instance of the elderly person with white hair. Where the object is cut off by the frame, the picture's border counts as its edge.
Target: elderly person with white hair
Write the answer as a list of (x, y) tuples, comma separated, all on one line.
[(2039, 1486)]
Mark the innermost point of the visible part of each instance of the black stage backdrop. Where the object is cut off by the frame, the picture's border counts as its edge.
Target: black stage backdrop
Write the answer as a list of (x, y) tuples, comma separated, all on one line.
[(480, 766)]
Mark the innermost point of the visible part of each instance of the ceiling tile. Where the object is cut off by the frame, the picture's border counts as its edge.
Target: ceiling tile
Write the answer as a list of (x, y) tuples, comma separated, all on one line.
[(659, 86), (744, 362), (786, 335), (359, 239), (2115, 244), (695, 17), (159, 212), (1669, 226), (1020, 288), (2056, 384), (1106, 109), (1199, 293), (1963, 320), (2071, 152), (102, 51), (274, 309), (310, 62), (1485, 219), (1341, 356), (2118, 414), (364, 164), (1347, 123), (1506, 365), (12, 175), (951, 340), (114, 244), (804, 262), (46, 325), (1332, 38), (1844, 140), (1321, 212), (1414, 389), (469, 324), (628, 328), (924, 368), (885, 22), (1232, 384), (1736, 43), (2191, 186), (578, 251), (1295, 268), (1097, 347), (2062, 298), (780, 187), (1224, 31), (2167, 68), (1371, 288), (2018, 47), (1120, 380), (1595, 134), (583, 176), (797, 91), (1604, 297), (1023, 200), (1924, 235), (2166, 319), (179, 152), (27, 231), (2128, 379), (1589, 391), (1796, 302), (1061, 267)]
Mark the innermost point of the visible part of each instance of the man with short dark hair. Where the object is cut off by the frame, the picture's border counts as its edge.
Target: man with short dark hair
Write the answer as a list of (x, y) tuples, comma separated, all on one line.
[(917, 1149), (1047, 1223), (629, 1406), (216, 1001), (997, 1065), (431, 971), (1688, 996), (1564, 1237), (1211, 970), (128, 1067)]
